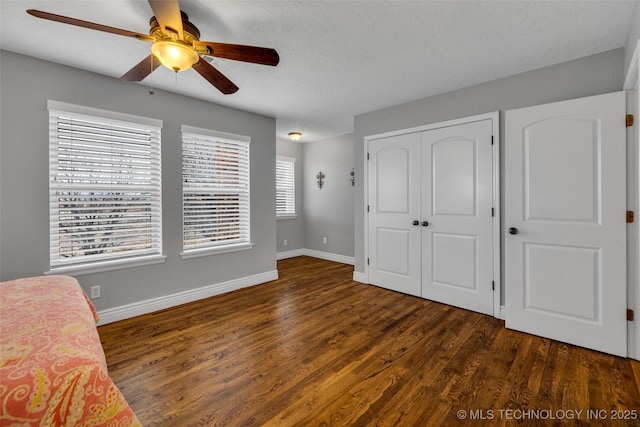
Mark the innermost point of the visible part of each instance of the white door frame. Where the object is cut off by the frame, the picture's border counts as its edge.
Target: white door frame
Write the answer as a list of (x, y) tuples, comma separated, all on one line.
[(495, 118), (631, 86)]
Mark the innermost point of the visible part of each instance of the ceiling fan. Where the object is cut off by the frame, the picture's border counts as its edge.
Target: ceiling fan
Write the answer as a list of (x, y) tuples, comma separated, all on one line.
[(177, 45)]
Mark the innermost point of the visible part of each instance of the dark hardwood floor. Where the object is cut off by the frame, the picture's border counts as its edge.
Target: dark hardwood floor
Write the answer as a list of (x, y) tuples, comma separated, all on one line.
[(315, 348)]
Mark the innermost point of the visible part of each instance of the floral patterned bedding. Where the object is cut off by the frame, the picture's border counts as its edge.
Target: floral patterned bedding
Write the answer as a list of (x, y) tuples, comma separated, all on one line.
[(53, 371)]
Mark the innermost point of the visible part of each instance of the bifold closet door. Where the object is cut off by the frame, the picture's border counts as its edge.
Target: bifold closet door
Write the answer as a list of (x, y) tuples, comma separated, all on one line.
[(430, 214), (565, 241), (457, 202), (394, 213)]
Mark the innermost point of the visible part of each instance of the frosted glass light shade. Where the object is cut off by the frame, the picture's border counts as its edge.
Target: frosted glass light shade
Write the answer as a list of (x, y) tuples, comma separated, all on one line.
[(295, 136), (174, 55)]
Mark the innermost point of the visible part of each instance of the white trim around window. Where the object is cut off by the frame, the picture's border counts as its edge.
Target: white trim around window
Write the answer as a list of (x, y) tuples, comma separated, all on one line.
[(105, 190), (215, 192), (285, 187)]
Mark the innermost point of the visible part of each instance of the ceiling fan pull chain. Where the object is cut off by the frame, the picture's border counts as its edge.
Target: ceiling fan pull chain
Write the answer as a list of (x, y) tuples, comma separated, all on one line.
[(151, 92)]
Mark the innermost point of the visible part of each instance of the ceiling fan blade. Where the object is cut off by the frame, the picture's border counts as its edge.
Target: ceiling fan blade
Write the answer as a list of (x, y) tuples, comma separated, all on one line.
[(238, 52), (167, 13), (142, 69), (215, 77), (87, 24)]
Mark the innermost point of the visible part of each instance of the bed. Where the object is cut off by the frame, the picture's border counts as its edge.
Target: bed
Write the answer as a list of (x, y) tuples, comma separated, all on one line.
[(53, 371)]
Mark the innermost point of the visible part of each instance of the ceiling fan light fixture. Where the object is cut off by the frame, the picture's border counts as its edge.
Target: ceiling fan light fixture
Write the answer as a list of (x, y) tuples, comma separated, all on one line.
[(176, 44), (295, 136), (174, 55)]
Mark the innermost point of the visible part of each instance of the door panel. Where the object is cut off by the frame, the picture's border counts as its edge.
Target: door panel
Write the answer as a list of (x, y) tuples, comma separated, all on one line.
[(453, 166), (555, 192), (392, 249), (459, 274), (457, 198), (392, 165), (394, 203), (566, 197), (554, 275)]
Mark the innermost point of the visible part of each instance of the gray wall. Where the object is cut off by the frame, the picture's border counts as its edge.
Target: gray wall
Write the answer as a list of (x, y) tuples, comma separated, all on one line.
[(329, 211), (326, 212), (292, 229), (26, 84), (592, 75), (633, 37)]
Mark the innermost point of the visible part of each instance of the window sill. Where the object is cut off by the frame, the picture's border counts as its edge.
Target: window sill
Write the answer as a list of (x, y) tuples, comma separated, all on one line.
[(291, 216), (196, 253), (102, 266)]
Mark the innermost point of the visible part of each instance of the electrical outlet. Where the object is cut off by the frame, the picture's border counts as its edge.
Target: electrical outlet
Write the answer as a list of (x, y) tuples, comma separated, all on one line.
[(285, 242), (95, 292), (324, 240)]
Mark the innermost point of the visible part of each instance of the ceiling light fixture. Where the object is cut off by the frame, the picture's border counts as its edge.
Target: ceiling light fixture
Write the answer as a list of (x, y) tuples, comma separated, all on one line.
[(295, 136), (175, 55)]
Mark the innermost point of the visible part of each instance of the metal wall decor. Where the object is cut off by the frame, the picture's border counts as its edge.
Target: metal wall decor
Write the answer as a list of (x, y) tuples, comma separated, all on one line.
[(320, 177), (353, 177)]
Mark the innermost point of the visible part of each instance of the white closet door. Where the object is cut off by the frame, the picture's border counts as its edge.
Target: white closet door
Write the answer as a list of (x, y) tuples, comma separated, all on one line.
[(394, 212), (565, 257), (457, 222)]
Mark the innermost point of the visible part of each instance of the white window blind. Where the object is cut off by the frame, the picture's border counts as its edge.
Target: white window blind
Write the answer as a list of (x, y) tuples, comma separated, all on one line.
[(285, 186), (104, 187), (215, 190)]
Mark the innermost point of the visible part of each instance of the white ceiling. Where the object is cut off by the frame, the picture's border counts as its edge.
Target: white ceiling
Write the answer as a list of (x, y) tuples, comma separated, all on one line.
[(338, 59)]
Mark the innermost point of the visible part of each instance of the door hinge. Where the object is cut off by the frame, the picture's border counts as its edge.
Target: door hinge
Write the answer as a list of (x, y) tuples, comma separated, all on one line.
[(493, 285), (491, 139), (367, 261), (367, 208), (367, 156), (629, 217), (493, 212), (629, 315), (629, 120)]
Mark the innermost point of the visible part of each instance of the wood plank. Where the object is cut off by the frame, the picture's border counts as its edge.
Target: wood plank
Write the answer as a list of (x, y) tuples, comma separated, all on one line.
[(316, 348)]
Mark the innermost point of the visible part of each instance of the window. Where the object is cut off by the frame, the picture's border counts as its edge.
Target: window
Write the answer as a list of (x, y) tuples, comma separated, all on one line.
[(285, 187), (215, 192), (104, 189)]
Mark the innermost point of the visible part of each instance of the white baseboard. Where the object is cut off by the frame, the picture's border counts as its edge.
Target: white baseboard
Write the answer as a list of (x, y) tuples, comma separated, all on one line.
[(290, 254), (330, 257), (360, 277), (149, 306), (316, 254)]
